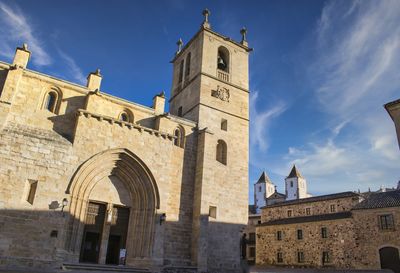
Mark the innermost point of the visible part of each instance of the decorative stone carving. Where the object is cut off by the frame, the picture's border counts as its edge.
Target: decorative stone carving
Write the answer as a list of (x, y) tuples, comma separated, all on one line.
[(221, 93)]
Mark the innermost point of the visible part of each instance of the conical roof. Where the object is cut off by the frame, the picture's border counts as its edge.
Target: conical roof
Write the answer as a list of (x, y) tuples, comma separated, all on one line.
[(294, 173), (264, 178)]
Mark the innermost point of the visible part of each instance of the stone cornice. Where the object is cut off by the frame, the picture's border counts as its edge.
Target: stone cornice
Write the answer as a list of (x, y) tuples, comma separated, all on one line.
[(129, 125)]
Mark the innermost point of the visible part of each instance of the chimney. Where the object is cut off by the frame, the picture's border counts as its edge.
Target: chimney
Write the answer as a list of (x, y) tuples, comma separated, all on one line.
[(159, 103), (94, 80), (22, 55)]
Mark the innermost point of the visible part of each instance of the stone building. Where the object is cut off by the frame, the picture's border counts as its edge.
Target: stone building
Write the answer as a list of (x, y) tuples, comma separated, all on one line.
[(89, 177), (343, 230)]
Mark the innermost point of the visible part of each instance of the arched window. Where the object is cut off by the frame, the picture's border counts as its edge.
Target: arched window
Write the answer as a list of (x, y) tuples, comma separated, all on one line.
[(180, 72), (51, 101), (187, 71), (179, 134), (223, 59), (126, 116), (221, 151)]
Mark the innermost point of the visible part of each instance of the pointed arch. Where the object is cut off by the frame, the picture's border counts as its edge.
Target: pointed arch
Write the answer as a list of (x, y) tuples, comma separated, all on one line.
[(142, 188), (179, 134)]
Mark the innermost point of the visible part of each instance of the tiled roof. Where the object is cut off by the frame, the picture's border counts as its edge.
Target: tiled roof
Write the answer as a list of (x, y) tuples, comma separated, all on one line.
[(305, 219), (264, 178), (294, 173), (316, 199), (380, 200)]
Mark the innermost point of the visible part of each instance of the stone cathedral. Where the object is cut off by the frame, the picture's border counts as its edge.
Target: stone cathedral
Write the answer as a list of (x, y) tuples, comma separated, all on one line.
[(89, 178)]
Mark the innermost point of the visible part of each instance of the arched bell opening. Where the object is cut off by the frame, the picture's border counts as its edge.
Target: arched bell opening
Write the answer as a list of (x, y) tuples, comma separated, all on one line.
[(130, 191)]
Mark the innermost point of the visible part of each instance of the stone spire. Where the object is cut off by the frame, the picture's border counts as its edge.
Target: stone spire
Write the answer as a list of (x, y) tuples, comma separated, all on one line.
[(243, 32), (206, 13), (294, 173), (264, 178)]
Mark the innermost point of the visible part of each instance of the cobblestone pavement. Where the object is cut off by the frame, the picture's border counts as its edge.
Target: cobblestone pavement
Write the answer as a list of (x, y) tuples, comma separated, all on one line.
[(260, 269)]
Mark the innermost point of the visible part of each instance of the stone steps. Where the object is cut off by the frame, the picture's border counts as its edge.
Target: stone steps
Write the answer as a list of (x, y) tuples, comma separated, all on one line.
[(81, 267)]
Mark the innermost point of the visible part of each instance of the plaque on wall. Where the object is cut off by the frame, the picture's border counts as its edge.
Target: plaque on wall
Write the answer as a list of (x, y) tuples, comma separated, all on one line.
[(221, 93)]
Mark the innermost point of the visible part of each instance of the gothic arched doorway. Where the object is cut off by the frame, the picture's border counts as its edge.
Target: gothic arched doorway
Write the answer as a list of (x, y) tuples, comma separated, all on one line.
[(114, 198), (389, 257)]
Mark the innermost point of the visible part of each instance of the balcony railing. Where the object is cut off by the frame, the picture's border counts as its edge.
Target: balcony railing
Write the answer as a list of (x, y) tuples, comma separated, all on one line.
[(222, 75)]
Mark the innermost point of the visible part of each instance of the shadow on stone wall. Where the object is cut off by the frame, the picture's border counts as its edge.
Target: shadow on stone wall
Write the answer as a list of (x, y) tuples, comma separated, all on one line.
[(36, 239)]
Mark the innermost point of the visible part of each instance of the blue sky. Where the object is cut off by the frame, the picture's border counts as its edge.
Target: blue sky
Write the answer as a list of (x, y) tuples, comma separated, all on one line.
[(319, 74)]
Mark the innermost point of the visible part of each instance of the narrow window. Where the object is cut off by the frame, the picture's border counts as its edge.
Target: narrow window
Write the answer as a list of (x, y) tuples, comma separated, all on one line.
[(179, 134), (32, 191), (279, 257), (252, 237), (333, 208), (50, 102), (180, 72), (252, 252), (325, 257), (279, 235), (259, 189), (299, 234), (291, 184), (300, 257), (180, 111), (221, 152), (259, 222), (187, 71), (224, 125), (289, 213), (308, 211), (386, 221), (212, 212), (324, 232)]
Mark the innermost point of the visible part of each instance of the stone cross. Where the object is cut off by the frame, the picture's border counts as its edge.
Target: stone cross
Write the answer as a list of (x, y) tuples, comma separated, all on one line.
[(243, 31)]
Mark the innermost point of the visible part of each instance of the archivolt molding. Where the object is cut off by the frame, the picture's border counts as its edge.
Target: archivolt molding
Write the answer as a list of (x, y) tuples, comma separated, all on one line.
[(143, 192)]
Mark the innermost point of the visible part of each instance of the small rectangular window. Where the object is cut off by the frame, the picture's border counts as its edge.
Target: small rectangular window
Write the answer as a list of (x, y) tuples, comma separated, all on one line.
[(300, 257), (224, 124), (291, 184), (252, 237), (259, 221), (279, 235), (308, 211), (325, 257), (259, 189), (299, 234), (333, 208), (180, 111), (386, 221), (32, 191), (289, 213), (324, 232), (252, 252), (180, 72), (212, 212), (279, 257)]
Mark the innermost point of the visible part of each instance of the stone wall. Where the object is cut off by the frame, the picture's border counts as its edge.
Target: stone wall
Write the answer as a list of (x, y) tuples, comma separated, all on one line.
[(280, 211), (340, 244)]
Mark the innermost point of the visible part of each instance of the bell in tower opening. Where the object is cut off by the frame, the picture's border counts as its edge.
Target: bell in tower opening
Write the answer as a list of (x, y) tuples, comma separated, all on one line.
[(223, 59)]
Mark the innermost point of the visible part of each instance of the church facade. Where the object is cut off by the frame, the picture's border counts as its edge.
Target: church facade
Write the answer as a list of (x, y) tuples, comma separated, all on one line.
[(86, 177)]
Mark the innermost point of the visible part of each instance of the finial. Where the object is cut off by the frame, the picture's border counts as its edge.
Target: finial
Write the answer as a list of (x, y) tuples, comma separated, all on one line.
[(179, 44), (162, 94), (206, 13), (243, 31), (97, 72), (25, 46)]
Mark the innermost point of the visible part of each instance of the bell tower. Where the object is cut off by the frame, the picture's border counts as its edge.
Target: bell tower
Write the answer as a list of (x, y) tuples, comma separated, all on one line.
[(211, 86)]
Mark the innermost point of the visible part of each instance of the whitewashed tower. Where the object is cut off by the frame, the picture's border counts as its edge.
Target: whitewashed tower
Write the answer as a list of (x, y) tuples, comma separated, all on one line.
[(296, 185), (263, 189)]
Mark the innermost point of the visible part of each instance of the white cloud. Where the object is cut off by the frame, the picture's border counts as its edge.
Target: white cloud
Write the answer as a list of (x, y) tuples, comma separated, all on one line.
[(72, 68), (16, 29), (261, 121), (354, 72)]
